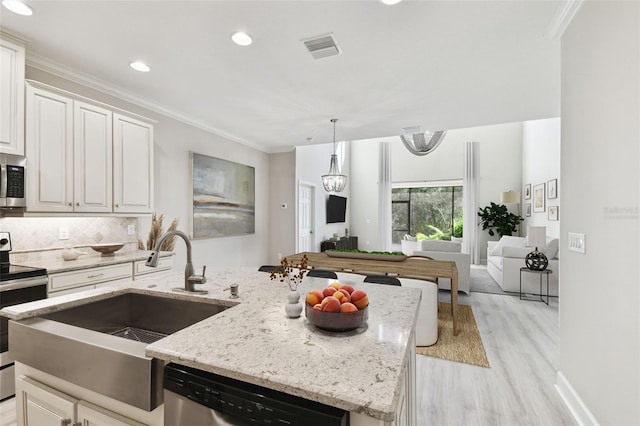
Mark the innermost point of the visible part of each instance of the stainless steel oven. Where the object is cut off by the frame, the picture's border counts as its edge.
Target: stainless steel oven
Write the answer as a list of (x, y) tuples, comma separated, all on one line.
[(18, 284), (13, 180)]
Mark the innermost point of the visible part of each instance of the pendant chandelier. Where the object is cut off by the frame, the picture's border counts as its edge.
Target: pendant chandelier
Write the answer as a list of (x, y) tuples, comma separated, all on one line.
[(421, 143), (334, 181)]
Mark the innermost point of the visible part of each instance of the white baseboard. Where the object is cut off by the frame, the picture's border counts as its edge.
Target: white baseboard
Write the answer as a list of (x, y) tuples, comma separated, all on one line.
[(574, 403)]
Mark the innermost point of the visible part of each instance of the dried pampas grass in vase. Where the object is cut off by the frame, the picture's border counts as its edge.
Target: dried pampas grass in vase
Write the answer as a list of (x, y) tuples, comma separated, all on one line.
[(156, 232)]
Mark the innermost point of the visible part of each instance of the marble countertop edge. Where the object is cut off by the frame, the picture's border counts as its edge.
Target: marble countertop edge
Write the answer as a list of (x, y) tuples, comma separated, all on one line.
[(385, 412), (55, 264)]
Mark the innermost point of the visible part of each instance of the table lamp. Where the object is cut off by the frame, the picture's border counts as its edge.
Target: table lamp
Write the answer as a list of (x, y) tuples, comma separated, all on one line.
[(537, 237), (511, 197)]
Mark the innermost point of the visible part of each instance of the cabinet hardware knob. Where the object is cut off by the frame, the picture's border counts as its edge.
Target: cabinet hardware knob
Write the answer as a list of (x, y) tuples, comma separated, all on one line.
[(78, 204), (95, 276), (117, 205), (70, 204)]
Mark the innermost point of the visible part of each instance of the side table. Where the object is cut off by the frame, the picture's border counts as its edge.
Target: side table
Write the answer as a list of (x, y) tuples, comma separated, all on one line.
[(546, 272)]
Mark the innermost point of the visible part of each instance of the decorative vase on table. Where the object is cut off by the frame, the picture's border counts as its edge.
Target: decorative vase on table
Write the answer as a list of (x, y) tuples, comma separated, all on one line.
[(293, 308), (292, 274)]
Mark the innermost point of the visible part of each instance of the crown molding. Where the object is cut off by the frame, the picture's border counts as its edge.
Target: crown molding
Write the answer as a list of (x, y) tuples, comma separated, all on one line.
[(13, 37), (51, 67), (564, 14)]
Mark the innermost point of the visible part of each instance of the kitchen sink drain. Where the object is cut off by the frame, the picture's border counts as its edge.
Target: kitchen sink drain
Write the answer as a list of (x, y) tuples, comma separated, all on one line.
[(138, 334)]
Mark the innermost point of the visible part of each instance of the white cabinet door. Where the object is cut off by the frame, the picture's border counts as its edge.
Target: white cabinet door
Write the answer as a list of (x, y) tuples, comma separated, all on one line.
[(93, 158), (92, 415), (39, 405), (11, 97), (133, 165), (49, 151)]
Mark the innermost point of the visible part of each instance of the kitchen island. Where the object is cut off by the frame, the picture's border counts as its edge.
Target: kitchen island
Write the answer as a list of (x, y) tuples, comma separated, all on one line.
[(368, 372)]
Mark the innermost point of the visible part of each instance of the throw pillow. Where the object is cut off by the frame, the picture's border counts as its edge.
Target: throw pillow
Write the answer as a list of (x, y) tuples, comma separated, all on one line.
[(408, 237), (552, 248), (508, 241)]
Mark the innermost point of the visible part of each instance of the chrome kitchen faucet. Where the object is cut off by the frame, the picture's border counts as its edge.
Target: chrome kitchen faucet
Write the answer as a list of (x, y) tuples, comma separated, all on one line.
[(190, 279)]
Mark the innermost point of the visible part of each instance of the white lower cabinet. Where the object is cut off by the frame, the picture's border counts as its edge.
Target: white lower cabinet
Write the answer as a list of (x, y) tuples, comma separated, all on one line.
[(164, 264), (406, 408), (40, 405), (87, 278), (92, 415), (62, 283)]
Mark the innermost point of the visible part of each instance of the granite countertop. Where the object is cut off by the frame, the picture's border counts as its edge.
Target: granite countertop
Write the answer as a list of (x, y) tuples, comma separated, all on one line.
[(54, 263), (254, 341)]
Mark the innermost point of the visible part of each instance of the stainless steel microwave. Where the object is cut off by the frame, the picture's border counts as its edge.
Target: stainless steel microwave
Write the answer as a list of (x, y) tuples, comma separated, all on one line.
[(13, 180)]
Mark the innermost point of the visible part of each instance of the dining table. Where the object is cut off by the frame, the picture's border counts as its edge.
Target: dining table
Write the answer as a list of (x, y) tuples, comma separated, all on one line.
[(400, 266)]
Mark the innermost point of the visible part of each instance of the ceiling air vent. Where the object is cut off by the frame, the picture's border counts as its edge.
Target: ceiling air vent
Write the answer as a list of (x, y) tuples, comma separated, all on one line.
[(321, 46)]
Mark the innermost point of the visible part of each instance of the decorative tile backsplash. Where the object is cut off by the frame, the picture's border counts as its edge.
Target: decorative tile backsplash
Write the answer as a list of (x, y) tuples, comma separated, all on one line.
[(42, 233)]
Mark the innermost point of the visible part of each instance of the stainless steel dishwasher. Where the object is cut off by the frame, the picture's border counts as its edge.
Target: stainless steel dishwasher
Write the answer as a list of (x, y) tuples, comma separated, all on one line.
[(195, 397)]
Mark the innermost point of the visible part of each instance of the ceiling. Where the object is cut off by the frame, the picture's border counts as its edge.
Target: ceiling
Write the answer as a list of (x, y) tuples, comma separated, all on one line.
[(436, 64)]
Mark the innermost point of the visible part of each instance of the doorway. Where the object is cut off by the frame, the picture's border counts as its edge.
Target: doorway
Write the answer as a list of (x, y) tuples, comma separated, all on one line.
[(306, 216)]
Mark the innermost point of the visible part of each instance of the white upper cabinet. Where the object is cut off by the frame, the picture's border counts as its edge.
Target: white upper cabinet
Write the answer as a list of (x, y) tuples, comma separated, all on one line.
[(49, 151), (93, 158), (11, 97), (85, 158), (133, 165)]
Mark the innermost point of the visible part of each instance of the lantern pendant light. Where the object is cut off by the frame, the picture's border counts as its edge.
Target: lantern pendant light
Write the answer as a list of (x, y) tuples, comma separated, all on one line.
[(334, 181)]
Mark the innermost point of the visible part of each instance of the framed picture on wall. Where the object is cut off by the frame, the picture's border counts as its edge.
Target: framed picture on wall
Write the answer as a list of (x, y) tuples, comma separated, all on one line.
[(553, 212), (538, 198), (527, 209), (527, 191), (223, 197), (552, 188)]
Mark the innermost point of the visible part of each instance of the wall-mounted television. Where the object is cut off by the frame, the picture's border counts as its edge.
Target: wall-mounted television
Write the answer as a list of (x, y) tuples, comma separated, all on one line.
[(336, 209)]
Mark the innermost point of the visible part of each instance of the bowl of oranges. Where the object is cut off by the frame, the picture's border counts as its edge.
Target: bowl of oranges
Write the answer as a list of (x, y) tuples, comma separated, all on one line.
[(337, 307)]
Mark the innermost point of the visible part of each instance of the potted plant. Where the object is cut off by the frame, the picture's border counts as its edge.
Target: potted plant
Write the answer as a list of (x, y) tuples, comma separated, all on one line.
[(496, 216)]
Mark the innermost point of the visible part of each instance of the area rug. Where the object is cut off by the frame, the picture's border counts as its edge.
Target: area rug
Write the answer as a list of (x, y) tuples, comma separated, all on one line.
[(466, 347), (482, 282)]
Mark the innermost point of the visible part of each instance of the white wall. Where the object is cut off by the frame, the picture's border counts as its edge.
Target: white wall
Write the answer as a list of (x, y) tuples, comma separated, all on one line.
[(600, 156), (540, 164), (173, 141), (312, 161), (364, 187), (500, 170), (282, 189)]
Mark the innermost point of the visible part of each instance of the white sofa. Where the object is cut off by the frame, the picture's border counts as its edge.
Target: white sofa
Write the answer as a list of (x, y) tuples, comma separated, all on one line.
[(443, 250), (507, 256)]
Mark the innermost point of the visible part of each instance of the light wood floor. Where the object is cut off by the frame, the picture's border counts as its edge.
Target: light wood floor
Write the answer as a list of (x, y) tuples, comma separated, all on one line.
[(521, 341)]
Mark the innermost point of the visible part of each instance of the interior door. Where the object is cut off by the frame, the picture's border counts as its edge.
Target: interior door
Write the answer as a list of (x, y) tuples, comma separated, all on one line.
[(306, 196)]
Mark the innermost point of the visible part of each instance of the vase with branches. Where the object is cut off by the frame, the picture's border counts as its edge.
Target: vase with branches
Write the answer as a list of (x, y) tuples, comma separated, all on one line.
[(156, 232), (292, 274)]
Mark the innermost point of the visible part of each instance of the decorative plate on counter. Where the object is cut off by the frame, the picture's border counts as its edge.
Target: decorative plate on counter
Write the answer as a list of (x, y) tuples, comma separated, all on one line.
[(367, 256), (107, 249)]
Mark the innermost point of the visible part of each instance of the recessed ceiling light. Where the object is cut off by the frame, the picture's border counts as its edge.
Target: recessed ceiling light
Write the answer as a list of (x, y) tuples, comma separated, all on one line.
[(139, 66), (390, 2), (241, 38), (16, 6)]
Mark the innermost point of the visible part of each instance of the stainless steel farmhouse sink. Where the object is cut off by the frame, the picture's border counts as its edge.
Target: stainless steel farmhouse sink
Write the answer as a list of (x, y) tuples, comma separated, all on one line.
[(100, 345)]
